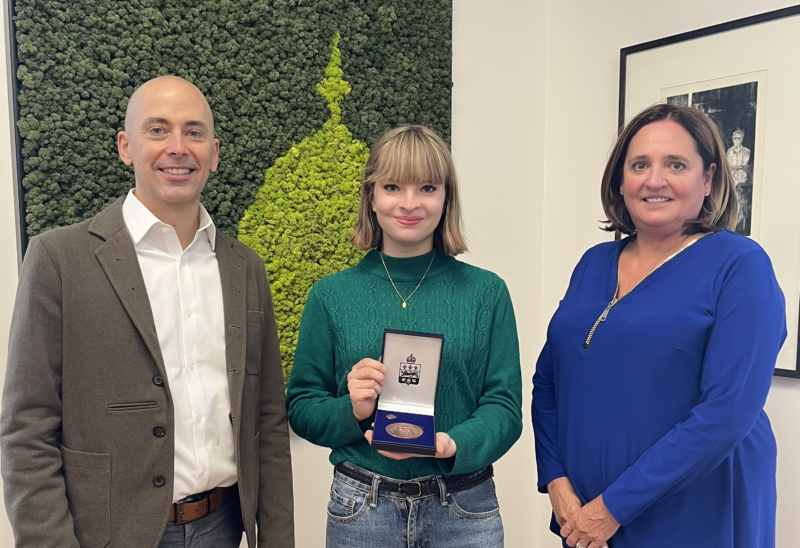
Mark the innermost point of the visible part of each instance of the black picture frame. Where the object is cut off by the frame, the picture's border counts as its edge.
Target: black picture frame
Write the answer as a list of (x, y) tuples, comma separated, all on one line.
[(680, 41)]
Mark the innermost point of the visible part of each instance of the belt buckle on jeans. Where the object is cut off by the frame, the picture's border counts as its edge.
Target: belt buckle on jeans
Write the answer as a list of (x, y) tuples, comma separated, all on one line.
[(419, 486)]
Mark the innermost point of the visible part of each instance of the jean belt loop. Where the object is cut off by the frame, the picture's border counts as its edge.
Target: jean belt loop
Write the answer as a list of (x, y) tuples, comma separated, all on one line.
[(442, 490), (376, 481)]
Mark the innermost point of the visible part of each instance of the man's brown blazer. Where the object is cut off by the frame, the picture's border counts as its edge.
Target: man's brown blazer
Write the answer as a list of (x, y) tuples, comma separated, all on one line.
[(86, 386)]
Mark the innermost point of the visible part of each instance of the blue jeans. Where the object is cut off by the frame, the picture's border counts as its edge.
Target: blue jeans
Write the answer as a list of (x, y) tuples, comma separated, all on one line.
[(220, 529), (361, 515)]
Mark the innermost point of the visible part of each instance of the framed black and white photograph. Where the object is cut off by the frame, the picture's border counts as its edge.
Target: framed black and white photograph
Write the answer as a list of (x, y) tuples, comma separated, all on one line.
[(732, 103), (745, 75)]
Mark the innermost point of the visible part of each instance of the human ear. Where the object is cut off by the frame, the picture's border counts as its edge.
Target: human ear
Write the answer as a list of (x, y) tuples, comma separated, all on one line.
[(123, 148)]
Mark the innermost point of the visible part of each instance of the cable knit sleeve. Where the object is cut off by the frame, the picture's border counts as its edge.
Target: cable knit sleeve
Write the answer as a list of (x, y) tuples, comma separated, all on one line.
[(315, 411), (496, 424)]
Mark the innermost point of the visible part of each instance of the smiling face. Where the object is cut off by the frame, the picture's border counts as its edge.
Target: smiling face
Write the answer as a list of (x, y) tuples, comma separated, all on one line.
[(169, 140), (664, 182), (408, 214)]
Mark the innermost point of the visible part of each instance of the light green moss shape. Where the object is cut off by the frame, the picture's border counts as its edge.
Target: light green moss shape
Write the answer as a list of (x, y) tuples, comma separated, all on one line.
[(303, 216)]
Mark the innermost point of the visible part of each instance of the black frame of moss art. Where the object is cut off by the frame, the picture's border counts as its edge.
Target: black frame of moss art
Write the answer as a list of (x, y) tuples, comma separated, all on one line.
[(16, 153)]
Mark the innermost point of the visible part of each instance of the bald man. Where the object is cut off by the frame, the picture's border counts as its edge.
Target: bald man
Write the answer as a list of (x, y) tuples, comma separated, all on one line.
[(144, 403)]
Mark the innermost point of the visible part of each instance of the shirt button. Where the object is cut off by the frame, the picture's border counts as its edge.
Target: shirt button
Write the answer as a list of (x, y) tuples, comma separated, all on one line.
[(159, 431), (157, 380), (183, 262), (165, 230), (203, 471), (188, 313), (191, 366), (159, 481), (199, 419)]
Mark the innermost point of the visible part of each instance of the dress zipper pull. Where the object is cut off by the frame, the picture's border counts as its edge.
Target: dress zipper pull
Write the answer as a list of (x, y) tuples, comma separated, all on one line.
[(602, 318), (604, 315)]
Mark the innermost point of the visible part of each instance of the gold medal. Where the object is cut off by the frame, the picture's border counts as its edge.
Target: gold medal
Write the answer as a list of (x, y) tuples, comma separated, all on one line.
[(404, 430)]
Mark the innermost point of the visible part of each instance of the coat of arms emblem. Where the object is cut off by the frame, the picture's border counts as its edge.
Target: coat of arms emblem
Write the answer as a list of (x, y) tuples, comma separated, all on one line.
[(409, 371)]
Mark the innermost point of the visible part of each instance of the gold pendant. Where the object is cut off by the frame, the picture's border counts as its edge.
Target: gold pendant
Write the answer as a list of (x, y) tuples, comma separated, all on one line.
[(404, 304)]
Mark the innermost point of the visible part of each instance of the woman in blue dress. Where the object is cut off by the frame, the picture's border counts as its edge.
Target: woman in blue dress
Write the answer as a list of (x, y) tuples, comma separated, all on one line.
[(649, 393)]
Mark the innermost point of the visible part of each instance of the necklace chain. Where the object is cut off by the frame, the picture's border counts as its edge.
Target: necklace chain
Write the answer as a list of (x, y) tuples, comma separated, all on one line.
[(405, 299)]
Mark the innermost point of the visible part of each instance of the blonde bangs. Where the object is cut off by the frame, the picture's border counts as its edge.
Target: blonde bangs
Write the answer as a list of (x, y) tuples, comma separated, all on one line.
[(411, 155), (411, 158)]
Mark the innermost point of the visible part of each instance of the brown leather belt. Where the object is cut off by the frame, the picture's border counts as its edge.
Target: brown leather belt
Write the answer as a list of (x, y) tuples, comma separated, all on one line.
[(181, 512)]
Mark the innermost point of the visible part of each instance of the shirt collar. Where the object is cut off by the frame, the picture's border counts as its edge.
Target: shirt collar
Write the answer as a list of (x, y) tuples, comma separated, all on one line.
[(139, 220)]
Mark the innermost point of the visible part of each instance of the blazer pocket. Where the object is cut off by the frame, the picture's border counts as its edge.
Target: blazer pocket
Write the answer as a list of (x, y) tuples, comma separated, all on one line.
[(132, 406), (88, 481)]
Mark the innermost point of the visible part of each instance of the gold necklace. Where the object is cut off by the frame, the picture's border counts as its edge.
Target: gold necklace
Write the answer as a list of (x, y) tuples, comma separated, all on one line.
[(405, 300)]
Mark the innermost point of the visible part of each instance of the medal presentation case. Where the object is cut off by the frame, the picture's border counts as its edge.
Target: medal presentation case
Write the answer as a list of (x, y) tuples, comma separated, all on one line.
[(404, 415)]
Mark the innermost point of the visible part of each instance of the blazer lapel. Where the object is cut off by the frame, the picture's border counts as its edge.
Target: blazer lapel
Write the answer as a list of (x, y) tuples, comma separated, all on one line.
[(233, 277), (118, 258)]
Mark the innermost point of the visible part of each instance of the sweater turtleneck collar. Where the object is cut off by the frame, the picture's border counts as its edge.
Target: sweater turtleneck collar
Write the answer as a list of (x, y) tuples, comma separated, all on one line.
[(409, 269)]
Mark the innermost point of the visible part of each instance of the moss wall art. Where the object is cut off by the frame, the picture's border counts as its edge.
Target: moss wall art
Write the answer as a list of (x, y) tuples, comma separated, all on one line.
[(302, 218), (299, 89)]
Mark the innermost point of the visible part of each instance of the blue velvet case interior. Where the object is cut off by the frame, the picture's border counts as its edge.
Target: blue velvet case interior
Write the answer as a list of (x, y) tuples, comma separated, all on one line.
[(426, 422)]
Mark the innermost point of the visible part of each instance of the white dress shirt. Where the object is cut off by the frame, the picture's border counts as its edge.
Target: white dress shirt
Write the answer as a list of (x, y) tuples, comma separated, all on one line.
[(185, 295)]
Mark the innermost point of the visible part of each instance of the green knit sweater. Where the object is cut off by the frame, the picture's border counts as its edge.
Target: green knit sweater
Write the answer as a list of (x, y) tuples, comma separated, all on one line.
[(479, 401)]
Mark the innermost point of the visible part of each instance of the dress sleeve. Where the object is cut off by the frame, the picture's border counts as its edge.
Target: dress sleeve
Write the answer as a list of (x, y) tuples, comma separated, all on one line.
[(544, 410), (739, 361), (545, 422), (496, 423), (315, 411)]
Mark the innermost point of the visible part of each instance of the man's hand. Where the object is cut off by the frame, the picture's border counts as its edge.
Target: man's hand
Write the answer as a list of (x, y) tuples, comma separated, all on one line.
[(563, 499), (591, 526), (445, 448), (364, 382)]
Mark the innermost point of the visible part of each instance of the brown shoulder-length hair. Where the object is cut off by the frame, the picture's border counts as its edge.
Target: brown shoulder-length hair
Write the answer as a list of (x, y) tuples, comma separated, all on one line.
[(719, 209), (414, 155)]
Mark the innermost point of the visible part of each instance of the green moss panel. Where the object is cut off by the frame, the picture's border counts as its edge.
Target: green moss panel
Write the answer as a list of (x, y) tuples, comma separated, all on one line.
[(303, 215), (257, 62)]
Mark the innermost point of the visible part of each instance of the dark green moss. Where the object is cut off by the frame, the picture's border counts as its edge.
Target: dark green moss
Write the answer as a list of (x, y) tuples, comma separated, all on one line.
[(257, 62)]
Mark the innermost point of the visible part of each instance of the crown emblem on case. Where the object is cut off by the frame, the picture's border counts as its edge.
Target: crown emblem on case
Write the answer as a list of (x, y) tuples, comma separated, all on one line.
[(409, 371)]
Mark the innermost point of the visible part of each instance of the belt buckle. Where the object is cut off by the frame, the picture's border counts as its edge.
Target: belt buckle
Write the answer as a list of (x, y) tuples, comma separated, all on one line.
[(178, 513), (419, 486)]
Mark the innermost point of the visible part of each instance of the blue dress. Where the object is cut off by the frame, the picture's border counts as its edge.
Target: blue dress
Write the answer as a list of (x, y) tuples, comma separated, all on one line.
[(663, 413)]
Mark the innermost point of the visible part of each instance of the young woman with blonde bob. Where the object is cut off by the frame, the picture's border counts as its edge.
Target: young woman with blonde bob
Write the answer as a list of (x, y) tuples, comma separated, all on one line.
[(410, 220)]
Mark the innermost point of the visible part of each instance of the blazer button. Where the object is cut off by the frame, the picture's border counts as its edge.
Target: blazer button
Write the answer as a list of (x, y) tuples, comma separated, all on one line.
[(159, 481), (157, 380), (159, 431)]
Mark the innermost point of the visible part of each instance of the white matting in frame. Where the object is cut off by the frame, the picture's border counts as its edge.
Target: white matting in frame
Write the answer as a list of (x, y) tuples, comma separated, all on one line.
[(763, 53)]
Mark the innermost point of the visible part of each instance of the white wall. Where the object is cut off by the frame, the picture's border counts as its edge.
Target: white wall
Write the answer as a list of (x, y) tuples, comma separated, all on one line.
[(554, 204), (534, 114), (499, 99), (582, 90)]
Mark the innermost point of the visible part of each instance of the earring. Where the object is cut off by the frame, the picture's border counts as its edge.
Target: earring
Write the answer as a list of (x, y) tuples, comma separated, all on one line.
[(620, 191), (707, 194)]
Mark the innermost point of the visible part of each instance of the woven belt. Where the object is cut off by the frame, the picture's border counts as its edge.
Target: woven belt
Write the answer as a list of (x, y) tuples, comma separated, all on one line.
[(181, 512), (428, 486)]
